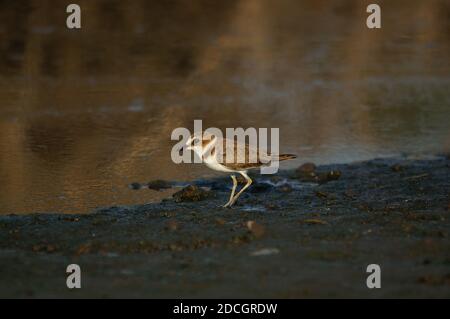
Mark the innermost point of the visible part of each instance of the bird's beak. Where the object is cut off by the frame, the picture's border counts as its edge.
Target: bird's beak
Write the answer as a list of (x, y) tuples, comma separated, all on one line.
[(188, 148)]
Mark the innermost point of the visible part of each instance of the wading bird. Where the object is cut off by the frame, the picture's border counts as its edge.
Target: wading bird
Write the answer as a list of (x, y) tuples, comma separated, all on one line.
[(207, 147)]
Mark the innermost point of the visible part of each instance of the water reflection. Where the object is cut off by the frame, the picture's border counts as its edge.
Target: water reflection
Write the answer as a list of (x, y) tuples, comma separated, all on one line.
[(84, 113)]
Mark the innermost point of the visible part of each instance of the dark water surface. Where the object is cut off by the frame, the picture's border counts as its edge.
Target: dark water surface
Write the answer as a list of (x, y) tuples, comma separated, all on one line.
[(83, 113)]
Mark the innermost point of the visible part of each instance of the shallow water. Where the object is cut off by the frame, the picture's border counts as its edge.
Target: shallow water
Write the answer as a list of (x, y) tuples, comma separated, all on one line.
[(83, 113)]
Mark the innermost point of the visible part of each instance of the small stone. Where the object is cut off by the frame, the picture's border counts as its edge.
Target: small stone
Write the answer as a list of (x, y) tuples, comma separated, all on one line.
[(426, 261), (134, 186), (350, 194), (265, 252), (321, 194), (158, 185), (271, 206), (435, 280), (396, 168), (329, 176), (44, 247), (306, 168), (191, 193), (314, 222), (220, 221), (285, 188), (83, 249), (306, 172), (175, 247), (256, 229), (172, 225), (50, 248)]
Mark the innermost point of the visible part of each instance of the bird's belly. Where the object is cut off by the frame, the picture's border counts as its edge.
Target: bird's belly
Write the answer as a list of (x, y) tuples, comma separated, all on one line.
[(213, 164)]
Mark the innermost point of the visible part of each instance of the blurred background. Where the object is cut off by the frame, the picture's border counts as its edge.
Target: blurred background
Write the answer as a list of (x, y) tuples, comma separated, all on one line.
[(83, 113)]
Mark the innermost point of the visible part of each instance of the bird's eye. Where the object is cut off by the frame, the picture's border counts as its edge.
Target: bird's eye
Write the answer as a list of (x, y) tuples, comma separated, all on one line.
[(195, 141)]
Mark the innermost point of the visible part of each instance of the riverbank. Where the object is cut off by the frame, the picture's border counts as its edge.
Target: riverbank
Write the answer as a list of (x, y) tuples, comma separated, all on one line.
[(305, 233)]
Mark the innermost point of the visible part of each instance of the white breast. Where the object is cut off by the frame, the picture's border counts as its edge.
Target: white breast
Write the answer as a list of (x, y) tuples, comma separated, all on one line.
[(212, 163)]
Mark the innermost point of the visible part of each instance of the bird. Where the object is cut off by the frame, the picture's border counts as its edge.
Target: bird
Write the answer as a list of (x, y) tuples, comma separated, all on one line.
[(205, 145)]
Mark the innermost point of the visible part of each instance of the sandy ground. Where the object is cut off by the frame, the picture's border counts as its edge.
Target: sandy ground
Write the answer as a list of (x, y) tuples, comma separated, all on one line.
[(300, 234)]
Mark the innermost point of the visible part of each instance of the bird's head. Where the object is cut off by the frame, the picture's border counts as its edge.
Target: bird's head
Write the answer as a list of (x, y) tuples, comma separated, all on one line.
[(198, 141), (194, 141)]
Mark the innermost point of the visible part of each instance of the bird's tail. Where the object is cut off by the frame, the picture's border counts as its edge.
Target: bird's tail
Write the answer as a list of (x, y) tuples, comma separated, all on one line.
[(284, 157)]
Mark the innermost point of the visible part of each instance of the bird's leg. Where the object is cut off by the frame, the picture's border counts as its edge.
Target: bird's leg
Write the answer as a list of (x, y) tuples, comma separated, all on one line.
[(249, 182), (233, 190)]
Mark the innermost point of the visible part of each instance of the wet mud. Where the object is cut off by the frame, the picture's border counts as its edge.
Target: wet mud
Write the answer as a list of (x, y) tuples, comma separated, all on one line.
[(303, 233)]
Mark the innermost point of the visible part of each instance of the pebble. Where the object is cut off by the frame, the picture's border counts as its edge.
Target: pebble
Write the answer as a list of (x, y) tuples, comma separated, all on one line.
[(329, 176), (307, 173), (256, 229), (285, 188), (314, 222), (134, 186), (265, 252), (172, 225), (158, 184), (396, 168), (306, 168), (191, 193)]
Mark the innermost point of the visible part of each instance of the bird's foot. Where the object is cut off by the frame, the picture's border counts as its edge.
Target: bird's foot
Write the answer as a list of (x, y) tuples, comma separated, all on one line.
[(227, 205)]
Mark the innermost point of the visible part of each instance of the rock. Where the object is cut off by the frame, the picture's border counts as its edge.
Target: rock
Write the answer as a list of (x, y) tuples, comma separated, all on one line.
[(396, 168), (306, 172), (435, 280), (220, 221), (306, 168), (329, 176), (134, 186), (172, 225), (191, 193), (271, 206), (44, 248), (321, 194), (285, 188), (314, 222), (350, 194), (50, 248), (158, 184), (256, 229), (426, 261), (265, 252)]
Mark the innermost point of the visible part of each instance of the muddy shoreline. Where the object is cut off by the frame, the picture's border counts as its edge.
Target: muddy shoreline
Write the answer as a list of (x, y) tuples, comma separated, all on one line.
[(291, 236)]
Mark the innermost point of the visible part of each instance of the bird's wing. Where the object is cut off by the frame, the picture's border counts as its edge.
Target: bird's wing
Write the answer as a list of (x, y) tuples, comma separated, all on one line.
[(244, 156)]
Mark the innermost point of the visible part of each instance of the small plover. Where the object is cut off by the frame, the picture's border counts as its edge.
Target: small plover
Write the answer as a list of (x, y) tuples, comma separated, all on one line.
[(214, 157)]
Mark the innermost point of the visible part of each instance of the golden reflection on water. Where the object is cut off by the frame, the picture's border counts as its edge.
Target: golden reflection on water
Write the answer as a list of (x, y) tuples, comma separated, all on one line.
[(85, 112)]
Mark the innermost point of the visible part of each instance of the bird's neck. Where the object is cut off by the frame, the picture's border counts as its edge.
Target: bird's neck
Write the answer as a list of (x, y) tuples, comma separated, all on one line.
[(207, 145)]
